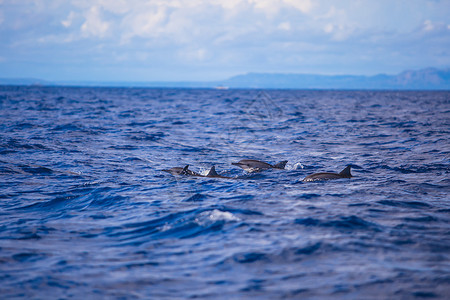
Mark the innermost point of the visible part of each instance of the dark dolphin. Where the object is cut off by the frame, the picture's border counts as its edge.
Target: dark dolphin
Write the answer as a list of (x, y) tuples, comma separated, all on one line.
[(185, 171), (251, 165), (212, 173), (182, 171), (327, 176)]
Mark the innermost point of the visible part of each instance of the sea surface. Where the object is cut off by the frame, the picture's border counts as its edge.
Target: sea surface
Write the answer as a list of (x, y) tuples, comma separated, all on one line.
[(87, 213)]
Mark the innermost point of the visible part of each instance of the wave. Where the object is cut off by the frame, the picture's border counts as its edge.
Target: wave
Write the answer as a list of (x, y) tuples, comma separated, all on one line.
[(183, 224), (407, 204), (342, 223), (119, 224)]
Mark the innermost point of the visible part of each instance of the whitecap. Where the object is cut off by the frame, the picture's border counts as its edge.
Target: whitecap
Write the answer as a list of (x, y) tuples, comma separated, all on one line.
[(215, 215), (218, 215)]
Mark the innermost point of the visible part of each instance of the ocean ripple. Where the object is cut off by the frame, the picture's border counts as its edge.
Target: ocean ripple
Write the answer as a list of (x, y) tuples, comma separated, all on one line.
[(86, 210)]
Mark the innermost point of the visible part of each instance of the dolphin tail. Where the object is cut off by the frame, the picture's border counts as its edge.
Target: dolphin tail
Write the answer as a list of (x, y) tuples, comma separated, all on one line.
[(281, 164), (185, 170), (212, 172), (346, 172)]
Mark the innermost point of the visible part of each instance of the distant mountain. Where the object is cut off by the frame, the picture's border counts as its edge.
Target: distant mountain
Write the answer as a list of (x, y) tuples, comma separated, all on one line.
[(430, 78), (425, 79), (23, 81)]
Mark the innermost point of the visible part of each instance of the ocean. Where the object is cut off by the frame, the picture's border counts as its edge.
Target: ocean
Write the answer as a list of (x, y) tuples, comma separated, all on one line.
[(86, 211)]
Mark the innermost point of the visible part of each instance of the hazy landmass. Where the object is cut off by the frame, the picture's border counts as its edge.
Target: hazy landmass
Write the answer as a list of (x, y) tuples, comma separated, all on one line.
[(425, 79)]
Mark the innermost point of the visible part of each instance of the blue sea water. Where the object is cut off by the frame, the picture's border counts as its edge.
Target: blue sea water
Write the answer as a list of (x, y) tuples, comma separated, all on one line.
[(87, 213)]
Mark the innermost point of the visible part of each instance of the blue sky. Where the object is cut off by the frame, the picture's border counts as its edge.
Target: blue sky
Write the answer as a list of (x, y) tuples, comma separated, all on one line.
[(172, 40)]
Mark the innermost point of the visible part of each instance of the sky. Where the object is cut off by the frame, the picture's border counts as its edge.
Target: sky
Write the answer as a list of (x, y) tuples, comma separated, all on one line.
[(206, 40)]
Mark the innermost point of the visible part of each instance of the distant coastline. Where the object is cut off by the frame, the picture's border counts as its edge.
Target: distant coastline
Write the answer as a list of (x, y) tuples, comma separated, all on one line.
[(424, 79)]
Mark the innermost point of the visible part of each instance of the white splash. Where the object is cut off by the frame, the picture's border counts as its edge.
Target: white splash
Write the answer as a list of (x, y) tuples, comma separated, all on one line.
[(208, 217), (296, 166), (218, 215)]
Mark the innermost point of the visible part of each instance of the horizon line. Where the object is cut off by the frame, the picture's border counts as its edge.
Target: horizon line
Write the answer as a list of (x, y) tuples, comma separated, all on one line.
[(219, 80)]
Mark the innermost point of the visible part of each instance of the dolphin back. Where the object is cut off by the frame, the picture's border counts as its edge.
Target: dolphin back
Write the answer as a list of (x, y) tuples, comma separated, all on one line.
[(346, 172), (174, 171), (281, 164), (212, 172), (185, 170)]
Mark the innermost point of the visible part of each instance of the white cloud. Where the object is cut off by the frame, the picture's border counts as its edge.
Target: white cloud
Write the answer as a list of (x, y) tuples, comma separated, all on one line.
[(250, 34), (146, 23), (199, 54), (339, 32), (191, 21), (305, 6), (273, 7), (70, 18), (230, 4), (55, 39), (268, 6), (115, 6), (331, 13), (328, 28), (431, 28), (285, 26), (428, 25), (94, 26)]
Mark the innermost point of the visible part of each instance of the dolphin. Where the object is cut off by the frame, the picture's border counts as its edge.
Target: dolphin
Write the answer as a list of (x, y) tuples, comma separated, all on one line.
[(185, 171), (182, 171), (251, 165), (212, 173), (327, 176)]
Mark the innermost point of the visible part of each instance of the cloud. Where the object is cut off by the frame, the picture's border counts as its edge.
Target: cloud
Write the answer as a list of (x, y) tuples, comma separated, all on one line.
[(180, 20), (428, 25), (70, 19), (196, 54), (94, 26), (119, 7), (243, 35), (285, 26), (304, 6)]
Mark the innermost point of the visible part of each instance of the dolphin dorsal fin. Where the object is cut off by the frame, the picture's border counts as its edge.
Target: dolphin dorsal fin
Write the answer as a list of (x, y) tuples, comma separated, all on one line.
[(185, 170), (281, 164), (212, 172), (346, 172)]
